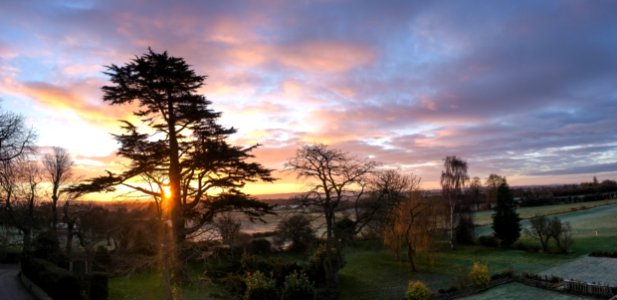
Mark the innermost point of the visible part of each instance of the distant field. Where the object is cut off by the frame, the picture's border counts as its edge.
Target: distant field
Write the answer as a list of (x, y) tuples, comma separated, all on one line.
[(516, 291), (486, 217), (589, 269)]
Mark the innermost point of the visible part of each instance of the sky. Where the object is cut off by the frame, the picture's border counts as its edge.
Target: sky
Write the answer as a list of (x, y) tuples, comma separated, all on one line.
[(524, 89)]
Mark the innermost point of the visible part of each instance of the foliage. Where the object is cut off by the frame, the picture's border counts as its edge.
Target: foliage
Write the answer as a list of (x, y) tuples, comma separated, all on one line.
[(465, 231), (297, 229), (56, 282), (417, 290), (414, 223), (297, 287), (505, 219), (318, 261), (184, 149), (47, 246), (259, 287), (479, 275)]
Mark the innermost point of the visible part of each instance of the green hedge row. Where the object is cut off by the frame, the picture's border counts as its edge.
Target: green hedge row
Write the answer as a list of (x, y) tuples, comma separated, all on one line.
[(59, 283)]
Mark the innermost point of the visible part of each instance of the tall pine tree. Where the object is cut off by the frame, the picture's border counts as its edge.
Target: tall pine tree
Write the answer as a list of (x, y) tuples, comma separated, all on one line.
[(506, 220)]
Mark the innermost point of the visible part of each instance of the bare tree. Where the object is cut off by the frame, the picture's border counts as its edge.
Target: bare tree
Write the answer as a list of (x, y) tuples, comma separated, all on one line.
[(15, 138), (453, 179), (19, 187), (57, 166), (413, 221), (335, 177)]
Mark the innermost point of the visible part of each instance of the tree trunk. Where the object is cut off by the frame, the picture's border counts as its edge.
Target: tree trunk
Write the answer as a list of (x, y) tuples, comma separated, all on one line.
[(452, 225)]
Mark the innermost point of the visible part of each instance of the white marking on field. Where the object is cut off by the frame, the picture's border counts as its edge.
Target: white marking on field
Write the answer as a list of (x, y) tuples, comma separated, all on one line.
[(601, 270)]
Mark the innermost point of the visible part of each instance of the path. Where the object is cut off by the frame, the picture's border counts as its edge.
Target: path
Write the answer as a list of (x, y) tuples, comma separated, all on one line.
[(10, 287)]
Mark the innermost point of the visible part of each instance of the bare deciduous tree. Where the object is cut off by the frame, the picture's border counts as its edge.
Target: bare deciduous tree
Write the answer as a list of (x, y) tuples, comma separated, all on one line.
[(57, 166), (15, 138), (335, 177)]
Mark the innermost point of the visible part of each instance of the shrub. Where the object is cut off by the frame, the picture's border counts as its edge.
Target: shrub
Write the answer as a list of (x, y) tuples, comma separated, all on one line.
[(259, 287), (417, 290), (55, 281), (479, 275), (298, 287), (488, 241), (317, 260), (504, 274), (47, 246), (259, 246), (344, 230), (296, 229), (465, 230)]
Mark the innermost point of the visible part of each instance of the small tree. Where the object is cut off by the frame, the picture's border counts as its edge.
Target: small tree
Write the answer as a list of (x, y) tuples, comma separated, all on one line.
[(505, 219), (336, 177), (561, 234), (540, 230), (228, 228), (57, 166), (453, 179), (298, 230)]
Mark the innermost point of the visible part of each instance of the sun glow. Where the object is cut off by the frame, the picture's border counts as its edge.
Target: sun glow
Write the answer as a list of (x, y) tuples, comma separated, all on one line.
[(166, 192)]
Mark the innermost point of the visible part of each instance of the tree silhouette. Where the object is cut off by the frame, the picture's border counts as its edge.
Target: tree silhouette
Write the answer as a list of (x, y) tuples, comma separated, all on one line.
[(57, 166), (336, 177), (453, 179), (183, 148), (505, 219)]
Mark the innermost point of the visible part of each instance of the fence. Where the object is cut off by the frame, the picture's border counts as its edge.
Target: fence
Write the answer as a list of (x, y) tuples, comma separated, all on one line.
[(589, 288)]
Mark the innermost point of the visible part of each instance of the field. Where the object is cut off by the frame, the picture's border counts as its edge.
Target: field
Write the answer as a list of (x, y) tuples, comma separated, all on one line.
[(371, 273), (601, 270), (485, 217)]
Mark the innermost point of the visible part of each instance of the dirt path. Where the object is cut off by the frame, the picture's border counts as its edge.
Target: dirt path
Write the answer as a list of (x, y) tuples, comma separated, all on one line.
[(10, 287)]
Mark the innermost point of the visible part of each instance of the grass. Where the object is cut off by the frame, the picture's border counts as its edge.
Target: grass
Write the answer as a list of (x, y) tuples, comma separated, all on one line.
[(486, 217), (515, 291)]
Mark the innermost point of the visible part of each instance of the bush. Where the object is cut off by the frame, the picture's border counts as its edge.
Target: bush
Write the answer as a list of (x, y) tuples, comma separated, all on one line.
[(488, 241), (259, 246), (259, 287), (58, 283), (504, 274), (526, 247), (317, 260), (298, 287), (465, 230), (46, 246), (479, 275), (416, 290)]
